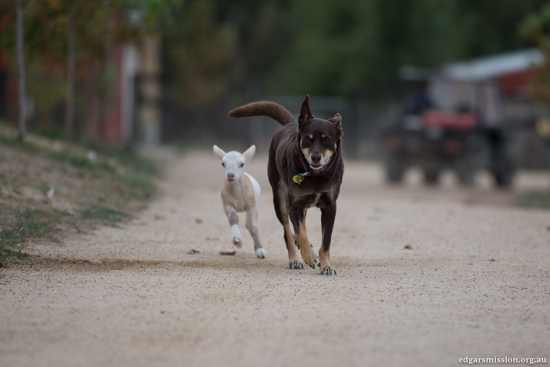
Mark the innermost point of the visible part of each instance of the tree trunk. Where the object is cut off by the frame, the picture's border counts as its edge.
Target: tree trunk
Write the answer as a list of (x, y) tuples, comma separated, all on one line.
[(21, 71), (108, 67), (69, 113)]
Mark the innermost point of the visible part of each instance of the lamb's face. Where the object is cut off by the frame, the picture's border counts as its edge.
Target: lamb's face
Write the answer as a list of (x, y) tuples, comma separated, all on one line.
[(233, 162), (233, 166)]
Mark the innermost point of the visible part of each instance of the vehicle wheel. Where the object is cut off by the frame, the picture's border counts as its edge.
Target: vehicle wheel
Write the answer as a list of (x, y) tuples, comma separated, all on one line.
[(465, 171), (431, 176), (503, 179), (504, 175), (394, 170)]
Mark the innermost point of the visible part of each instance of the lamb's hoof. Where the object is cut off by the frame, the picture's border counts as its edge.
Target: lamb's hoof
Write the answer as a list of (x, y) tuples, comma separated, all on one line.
[(260, 253), (237, 241), (295, 265), (327, 270)]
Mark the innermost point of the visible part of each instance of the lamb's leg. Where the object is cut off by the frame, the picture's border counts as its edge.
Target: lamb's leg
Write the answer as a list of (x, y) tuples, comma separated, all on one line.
[(254, 229), (234, 223)]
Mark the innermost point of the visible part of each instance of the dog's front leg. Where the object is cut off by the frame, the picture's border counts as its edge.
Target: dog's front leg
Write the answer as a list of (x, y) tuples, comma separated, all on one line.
[(300, 235), (328, 215)]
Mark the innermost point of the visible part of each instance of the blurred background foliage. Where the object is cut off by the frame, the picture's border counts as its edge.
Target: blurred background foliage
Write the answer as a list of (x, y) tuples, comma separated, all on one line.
[(536, 28), (99, 26), (323, 47), (216, 50)]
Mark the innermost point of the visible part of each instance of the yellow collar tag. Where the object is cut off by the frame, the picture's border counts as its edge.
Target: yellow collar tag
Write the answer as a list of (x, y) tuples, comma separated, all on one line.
[(299, 178)]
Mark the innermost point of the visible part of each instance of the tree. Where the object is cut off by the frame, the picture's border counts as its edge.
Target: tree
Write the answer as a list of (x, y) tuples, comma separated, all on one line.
[(201, 52), (351, 46), (21, 70), (74, 40), (536, 28), (71, 60)]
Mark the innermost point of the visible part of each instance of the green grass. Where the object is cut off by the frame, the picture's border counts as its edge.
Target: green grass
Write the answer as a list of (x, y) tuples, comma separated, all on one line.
[(138, 188), (141, 186), (66, 157), (82, 162), (16, 143), (124, 154), (7, 254), (535, 199), (9, 237), (107, 216), (124, 181), (33, 223), (29, 223)]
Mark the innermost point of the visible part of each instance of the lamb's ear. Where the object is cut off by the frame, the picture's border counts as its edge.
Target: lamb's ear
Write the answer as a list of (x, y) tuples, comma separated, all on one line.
[(249, 153), (218, 152), (305, 112)]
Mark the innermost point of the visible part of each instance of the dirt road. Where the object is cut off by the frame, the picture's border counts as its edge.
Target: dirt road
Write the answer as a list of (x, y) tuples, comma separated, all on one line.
[(476, 282)]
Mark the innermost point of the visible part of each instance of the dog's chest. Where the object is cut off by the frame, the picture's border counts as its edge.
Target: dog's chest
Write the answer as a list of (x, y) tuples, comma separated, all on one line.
[(310, 186), (320, 200), (315, 200)]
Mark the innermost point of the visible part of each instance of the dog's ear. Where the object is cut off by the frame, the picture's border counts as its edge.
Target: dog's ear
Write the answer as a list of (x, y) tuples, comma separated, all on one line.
[(337, 121), (305, 112), (249, 153), (218, 152)]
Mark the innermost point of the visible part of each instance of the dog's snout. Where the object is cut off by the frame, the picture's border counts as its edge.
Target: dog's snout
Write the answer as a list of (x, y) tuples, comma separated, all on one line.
[(230, 176), (316, 158)]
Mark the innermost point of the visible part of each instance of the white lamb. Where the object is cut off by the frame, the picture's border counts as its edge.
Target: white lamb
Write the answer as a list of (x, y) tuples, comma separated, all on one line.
[(238, 194)]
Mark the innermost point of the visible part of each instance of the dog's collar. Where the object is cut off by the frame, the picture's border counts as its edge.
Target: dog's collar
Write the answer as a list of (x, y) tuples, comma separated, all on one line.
[(300, 176)]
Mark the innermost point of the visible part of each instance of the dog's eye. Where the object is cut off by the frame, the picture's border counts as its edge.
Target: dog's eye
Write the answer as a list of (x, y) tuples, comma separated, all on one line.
[(223, 164), (326, 140), (241, 165), (306, 138)]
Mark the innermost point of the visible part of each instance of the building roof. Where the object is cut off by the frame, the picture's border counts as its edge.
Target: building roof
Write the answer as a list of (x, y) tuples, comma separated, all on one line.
[(493, 66)]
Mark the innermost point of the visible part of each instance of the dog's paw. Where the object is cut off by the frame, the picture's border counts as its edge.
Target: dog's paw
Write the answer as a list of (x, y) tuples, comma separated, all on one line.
[(327, 270), (295, 265), (310, 257), (260, 253), (237, 241)]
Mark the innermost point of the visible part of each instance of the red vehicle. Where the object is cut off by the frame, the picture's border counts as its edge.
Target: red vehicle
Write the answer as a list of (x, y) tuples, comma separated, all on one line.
[(433, 141)]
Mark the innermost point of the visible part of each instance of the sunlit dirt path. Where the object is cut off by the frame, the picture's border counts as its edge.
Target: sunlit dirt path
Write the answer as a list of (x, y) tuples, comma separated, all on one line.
[(476, 282)]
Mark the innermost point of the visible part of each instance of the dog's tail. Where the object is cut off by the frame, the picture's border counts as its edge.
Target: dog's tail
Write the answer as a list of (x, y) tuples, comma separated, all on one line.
[(264, 108)]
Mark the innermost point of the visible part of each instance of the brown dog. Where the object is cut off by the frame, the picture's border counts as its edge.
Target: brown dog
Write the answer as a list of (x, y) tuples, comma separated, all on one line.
[(305, 169)]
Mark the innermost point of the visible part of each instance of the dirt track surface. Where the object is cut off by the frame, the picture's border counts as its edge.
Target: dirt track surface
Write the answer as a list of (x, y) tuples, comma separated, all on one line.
[(476, 282)]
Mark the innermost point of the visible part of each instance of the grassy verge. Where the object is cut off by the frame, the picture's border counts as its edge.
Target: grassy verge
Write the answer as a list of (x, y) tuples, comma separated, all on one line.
[(535, 199), (107, 216), (28, 223), (52, 186), (123, 154)]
